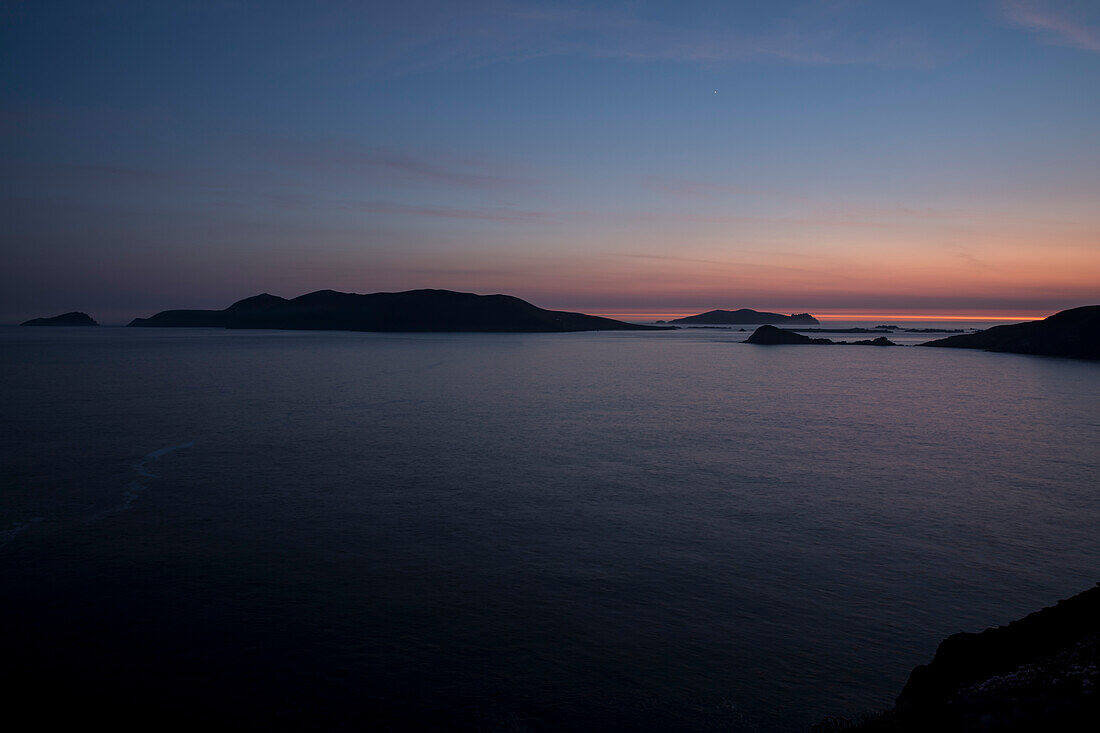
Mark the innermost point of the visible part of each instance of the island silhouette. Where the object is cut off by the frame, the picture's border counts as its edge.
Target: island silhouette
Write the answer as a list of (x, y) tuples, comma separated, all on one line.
[(411, 310), (745, 316), (1073, 333), (75, 318), (771, 336)]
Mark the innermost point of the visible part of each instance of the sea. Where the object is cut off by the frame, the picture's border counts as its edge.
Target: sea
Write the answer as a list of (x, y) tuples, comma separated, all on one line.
[(612, 531)]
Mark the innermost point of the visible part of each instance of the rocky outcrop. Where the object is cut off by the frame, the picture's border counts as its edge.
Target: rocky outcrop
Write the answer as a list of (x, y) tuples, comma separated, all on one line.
[(880, 341), (74, 318), (1072, 333), (839, 330), (772, 336), (747, 316), (412, 310)]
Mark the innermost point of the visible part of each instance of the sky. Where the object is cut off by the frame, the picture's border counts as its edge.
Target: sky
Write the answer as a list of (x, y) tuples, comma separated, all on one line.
[(658, 158)]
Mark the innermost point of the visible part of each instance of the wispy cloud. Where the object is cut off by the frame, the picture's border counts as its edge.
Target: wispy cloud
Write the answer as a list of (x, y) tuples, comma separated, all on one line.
[(24, 117), (495, 214), (816, 211), (968, 257), (732, 263), (423, 36), (1058, 23), (383, 163), (681, 188), (666, 258), (91, 174), (281, 171), (404, 166)]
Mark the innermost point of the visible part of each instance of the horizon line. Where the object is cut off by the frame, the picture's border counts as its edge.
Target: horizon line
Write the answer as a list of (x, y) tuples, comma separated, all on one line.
[(849, 316)]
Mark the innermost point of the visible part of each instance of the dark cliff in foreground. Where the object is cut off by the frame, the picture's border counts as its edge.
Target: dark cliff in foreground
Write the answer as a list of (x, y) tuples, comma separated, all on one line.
[(1040, 672), (747, 316), (75, 318), (1074, 333), (412, 310)]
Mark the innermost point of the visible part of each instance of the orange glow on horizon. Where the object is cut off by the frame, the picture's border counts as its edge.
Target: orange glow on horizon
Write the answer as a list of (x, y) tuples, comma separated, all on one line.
[(852, 316)]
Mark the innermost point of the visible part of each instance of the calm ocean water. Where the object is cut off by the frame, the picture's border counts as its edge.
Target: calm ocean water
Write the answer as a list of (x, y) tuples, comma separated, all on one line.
[(601, 531)]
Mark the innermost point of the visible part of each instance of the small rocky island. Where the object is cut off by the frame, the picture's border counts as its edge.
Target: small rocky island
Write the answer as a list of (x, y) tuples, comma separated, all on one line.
[(1073, 333), (744, 316), (1040, 672), (772, 336), (412, 310), (75, 318)]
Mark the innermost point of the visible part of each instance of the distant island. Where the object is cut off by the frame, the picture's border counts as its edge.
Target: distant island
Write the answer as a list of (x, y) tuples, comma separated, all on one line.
[(772, 336), (878, 329), (74, 318), (1073, 333), (747, 316), (1040, 672), (411, 310)]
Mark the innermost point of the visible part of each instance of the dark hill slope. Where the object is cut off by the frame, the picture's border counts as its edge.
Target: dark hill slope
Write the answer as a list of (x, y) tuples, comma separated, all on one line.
[(412, 310), (1074, 333), (1039, 673)]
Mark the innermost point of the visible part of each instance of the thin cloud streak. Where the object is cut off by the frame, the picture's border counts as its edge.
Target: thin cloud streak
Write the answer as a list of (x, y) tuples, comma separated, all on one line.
[(1057, 24), (196, 187), (667, 258), (383, 163), (732, 264), (812, 211), (702, 189), (813, 33), (498, 214)]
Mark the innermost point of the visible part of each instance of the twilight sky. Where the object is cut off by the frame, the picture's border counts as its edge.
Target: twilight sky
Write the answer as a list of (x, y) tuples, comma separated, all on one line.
[(620, 157)]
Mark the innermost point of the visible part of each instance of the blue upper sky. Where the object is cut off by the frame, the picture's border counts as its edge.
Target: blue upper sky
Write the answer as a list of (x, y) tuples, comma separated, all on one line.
[(634, 157)]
